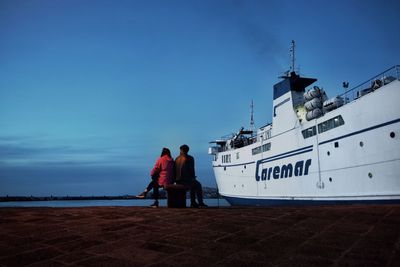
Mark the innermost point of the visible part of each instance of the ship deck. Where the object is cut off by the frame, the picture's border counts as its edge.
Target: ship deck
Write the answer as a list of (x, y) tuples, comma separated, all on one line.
[(359, 235)]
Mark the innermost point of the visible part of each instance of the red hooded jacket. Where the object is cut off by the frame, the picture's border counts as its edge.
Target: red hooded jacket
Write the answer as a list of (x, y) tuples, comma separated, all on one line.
[(164, 168)]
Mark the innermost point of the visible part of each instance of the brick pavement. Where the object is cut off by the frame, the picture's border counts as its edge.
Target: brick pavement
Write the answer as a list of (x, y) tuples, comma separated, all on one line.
[(140, 236)]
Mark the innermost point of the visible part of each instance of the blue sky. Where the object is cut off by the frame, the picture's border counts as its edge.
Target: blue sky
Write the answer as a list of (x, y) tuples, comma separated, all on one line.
[(90, 91)]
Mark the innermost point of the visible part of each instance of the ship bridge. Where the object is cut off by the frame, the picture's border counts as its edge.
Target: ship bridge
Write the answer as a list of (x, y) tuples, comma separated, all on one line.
[(288, 95), (292, 82)]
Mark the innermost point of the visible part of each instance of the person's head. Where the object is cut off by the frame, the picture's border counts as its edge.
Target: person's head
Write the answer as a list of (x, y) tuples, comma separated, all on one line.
[(165, 151), (184, 149)]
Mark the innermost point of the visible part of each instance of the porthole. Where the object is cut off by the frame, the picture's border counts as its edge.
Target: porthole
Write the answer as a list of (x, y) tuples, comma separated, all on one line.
[(328, 153), (370, 175), (330, 179), (392, 135), (336, 144), (245, 166), (361, 144), (224, 168)]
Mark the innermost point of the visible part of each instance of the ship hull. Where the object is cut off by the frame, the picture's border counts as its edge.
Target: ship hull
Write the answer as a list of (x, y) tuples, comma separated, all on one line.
[(242, 201), (358, 162)]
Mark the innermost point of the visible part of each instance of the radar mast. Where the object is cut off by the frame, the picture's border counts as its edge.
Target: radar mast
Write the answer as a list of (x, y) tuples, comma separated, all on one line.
[(252, 128)]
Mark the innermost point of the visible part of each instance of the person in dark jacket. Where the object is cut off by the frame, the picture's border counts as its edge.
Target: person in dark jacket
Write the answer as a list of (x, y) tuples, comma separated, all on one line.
[(185, 175), (161, 175)]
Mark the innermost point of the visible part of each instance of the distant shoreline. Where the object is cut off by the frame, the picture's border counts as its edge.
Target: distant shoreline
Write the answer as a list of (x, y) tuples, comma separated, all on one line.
[(53, 198), (208, 192)]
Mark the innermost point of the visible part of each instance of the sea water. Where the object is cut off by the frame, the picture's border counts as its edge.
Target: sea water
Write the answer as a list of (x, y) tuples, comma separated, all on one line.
[(98, 203)]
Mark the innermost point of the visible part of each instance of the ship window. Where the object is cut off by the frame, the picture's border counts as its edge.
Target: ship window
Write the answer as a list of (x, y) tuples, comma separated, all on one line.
[(266, 135), (309, 132), (266, 147), (256, 150), (330, 124), (237, 155), (259, 149), (226, 158)]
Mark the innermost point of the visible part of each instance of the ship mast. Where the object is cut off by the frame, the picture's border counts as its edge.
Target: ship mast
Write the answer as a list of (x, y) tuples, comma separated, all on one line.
[(292, 55)]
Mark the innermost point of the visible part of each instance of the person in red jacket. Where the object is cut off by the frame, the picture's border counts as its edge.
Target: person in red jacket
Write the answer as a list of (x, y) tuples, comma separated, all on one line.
[(161, 175)]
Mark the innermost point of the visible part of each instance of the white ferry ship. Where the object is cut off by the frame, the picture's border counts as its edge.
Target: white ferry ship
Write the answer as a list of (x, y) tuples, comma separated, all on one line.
[(317, 150)]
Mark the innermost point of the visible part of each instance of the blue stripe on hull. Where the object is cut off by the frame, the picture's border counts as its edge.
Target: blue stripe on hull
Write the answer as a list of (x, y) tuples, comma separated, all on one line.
[(236, 201)]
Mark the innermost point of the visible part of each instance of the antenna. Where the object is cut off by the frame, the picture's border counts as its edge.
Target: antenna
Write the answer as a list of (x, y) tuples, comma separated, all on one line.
[(252, 128), (292, 55)]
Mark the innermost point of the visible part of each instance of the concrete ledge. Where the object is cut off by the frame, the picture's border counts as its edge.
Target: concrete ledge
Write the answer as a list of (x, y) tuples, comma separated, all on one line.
[(139, 236)]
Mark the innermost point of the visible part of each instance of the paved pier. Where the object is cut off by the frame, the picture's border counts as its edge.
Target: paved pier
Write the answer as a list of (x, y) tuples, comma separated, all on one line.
[(140, 236)]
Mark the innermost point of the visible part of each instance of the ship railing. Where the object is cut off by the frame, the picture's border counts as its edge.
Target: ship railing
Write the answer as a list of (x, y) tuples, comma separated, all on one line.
[(214, 149), (372, 84), (231, 143), (228, 136)]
